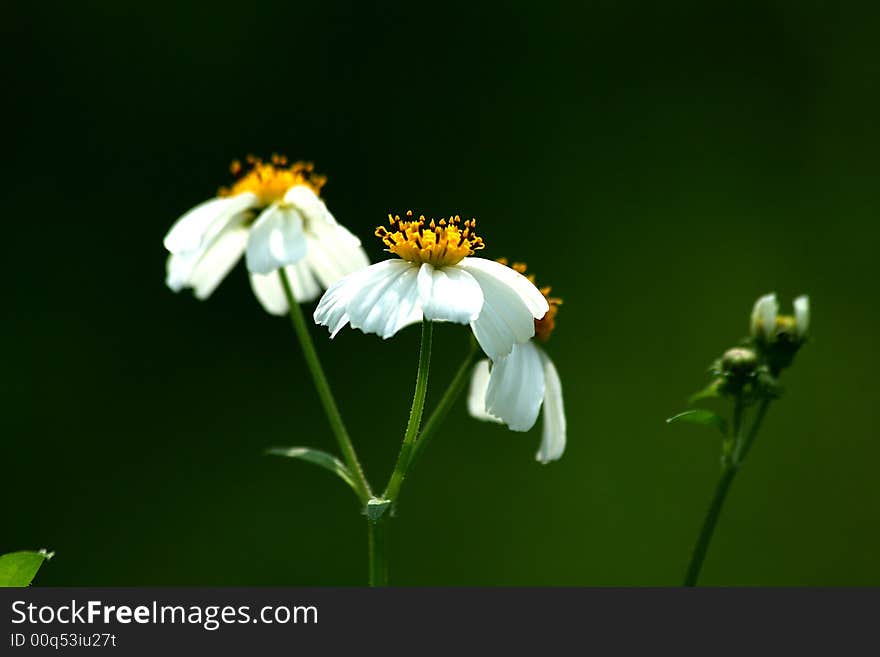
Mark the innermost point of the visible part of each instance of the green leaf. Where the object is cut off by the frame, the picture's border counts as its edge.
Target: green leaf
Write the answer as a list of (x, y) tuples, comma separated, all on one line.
[(701, 416), (318, 457), (19, 568), (709, 392)]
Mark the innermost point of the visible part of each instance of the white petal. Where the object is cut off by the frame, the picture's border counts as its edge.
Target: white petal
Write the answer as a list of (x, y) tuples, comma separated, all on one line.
[(302, 282), (449, 294), (764, 316), (506, 318), (276, 240), (310, 206), (477, 394), (516, 387), (270, 292), (198, 226), (179, 268), (381, 299), (334, 253), (802, 315), (267, 288), (553, 435), (531, 296), (217, 261)]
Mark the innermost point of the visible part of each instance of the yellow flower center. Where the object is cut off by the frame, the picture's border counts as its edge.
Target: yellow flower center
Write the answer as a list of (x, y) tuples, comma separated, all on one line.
[(441, 244), (544, 326), (271, 180)]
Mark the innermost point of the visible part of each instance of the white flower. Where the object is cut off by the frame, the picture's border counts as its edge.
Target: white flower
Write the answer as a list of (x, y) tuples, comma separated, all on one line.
[(764, 316), (273, 215), (767, 323), (513, 389), (435, 279)]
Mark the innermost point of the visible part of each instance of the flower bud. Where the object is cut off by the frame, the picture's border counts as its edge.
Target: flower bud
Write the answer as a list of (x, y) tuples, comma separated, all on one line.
[(739, 362)]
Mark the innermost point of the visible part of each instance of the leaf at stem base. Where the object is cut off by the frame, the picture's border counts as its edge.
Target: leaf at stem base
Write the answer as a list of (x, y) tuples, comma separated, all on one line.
[(318, 457), (701, 416)]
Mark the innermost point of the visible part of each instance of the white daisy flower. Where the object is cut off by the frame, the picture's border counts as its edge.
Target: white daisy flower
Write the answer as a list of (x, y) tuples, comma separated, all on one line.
[(435, 279), (274, 216), (512, 390), (768, 324)]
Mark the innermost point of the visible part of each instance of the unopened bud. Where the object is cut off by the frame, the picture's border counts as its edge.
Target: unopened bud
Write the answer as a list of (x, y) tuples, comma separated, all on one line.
[(739, 362)]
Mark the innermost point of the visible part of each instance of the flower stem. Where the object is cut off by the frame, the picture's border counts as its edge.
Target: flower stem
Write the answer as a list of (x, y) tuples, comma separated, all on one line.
[(378, 536), (323, 389), (415, 415), (731, 461), (442, 409)]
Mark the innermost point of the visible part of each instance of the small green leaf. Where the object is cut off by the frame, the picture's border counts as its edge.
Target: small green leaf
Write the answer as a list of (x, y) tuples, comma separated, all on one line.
[(709, 392), (376, 508), (318, 457), (19, 568), (701, 416)]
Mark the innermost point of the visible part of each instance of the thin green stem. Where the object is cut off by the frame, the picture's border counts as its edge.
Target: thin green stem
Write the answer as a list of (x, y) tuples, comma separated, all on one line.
[(728, 472), (323, 388), (745, 446), (732, 459), (415, 415), (442, 409), (378, 538), (693, 572)]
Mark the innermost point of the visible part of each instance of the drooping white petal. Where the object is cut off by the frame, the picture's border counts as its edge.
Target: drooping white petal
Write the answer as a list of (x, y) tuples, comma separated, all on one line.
[(270, 293), (531, 296), (276, 239), (217, 261), (202, 223), (802, 315), (333, 253), (553, 434), (204, 268), (312, 208), (449, 294), (764, 316), (267, 288), (178, 269), (516, 387), (477, 393), (380, 299), (302, 282), (510, 306)]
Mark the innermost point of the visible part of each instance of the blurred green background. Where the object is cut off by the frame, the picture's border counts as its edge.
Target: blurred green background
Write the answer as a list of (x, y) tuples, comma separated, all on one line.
[(660, 164)]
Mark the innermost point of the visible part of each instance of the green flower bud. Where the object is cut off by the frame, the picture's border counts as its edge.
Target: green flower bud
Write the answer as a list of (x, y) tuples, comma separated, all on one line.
[(739, 362)]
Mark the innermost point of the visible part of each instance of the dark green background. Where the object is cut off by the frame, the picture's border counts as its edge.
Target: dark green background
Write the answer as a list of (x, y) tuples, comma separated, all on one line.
[(661, 164)]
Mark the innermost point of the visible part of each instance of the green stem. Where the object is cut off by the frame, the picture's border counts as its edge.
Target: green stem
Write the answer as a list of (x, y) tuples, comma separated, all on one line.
[(378, 537), (728, 472), (442, 409), (732, 459), (693, 572), (323, 389), (415, 415), (745, 446)]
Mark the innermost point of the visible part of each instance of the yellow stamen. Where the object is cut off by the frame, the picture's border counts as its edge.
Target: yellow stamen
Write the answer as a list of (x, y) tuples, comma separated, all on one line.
[(271, 180), (441, 244), (544, 326)]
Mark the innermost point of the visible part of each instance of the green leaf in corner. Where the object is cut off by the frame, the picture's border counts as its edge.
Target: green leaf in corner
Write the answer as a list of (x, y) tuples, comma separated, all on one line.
[(19, 568), (701, 416), (318, 457)]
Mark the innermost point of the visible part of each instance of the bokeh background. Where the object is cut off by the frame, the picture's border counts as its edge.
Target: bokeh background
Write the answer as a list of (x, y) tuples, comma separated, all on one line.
[(660, 164)]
